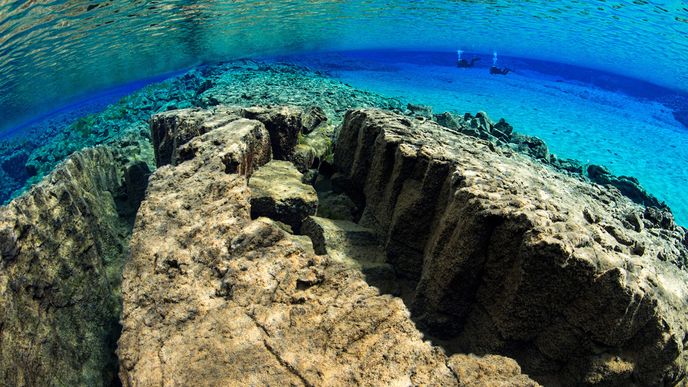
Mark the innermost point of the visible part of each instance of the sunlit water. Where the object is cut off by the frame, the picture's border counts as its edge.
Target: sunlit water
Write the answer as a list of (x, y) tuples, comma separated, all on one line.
[(53, 53)]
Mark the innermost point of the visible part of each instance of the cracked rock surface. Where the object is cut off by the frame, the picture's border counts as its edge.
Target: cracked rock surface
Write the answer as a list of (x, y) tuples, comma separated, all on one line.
[(212, 297), (575, 281)]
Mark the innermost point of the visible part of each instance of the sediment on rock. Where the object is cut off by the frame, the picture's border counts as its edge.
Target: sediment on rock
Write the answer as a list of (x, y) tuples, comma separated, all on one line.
[(63, 245), (214, 297), (576, 282)]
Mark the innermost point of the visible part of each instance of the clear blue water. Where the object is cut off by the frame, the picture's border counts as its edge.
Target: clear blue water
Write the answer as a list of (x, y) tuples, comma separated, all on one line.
[(600, 81)]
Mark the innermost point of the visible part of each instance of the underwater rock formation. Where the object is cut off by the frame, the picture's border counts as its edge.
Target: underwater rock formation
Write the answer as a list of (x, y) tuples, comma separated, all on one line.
[(172, 129), (501, 133), (213, 297), (248, 83), (505, 255), (628, 186), (493, 252), (63, 245)]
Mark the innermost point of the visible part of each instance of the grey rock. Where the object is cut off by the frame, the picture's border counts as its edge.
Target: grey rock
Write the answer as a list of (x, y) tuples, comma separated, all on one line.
[(530, 145), (420, 110), (303, 157), (505, 260), (312, 118), (284, 125), (173, 129), (336, 206), (255, 149), (629, 187)]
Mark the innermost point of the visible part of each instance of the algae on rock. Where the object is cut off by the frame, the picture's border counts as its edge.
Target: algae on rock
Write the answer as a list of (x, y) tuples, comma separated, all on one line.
[(63, 245)]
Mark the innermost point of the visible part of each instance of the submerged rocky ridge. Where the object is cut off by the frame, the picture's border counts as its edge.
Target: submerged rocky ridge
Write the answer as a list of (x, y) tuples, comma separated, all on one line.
[(25, 161), (493, 254), (507, 256), (259, 255)]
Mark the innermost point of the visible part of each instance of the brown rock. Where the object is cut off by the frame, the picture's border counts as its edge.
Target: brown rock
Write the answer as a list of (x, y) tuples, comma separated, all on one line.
[(172, 129), (212, 297), (278, 193), (284, 124)]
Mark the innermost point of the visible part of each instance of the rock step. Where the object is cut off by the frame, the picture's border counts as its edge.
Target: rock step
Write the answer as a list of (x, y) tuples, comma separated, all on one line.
[(342, 235), (353, 245), (278, 193)]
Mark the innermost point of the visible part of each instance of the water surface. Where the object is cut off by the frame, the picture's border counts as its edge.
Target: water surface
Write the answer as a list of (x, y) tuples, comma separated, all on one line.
[(52, 51)]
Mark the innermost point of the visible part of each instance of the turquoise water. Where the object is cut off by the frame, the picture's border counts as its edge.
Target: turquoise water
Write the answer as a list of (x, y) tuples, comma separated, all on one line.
[(604, 82), (54, 51)]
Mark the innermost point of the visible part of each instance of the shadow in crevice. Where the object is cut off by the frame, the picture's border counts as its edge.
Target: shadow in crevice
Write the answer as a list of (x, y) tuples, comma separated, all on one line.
[(132, 191), (344, 231)]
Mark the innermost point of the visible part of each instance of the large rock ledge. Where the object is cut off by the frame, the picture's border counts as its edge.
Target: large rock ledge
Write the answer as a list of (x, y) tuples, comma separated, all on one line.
[(63, 245), (507, 256), (212, 297)]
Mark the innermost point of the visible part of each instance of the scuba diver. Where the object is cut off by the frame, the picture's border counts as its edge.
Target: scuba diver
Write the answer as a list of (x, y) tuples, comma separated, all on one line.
[(463, 63), (494, 70)]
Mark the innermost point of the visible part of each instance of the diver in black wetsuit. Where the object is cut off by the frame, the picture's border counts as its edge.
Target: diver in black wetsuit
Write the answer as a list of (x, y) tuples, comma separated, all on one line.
[(463, 63), (494, 70)]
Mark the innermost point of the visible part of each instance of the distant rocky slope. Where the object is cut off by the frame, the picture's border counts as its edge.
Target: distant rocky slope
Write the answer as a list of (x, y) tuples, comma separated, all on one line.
[(25, 161)]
